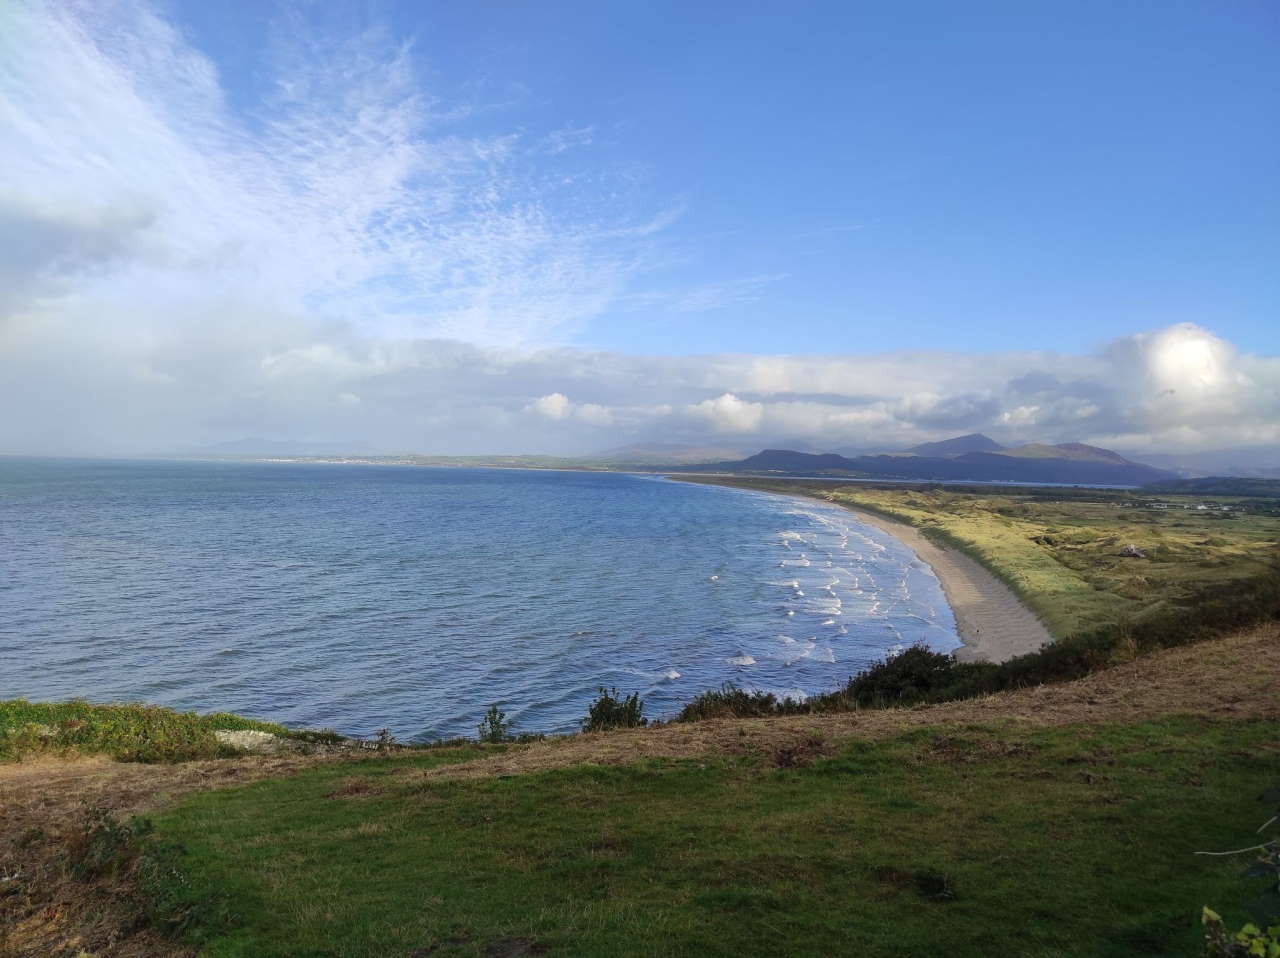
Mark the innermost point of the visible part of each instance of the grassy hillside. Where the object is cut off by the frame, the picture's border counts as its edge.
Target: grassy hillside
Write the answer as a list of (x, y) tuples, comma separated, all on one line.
[(1051, 821), (994, 840)]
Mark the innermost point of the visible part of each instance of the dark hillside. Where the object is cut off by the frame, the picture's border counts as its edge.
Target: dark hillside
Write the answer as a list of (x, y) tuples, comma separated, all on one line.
[(973, 466)]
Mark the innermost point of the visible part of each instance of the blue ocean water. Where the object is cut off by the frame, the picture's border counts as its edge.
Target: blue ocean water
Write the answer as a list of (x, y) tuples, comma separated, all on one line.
[(362, 597)]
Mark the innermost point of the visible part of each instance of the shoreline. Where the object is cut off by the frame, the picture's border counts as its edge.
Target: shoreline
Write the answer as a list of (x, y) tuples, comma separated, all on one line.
[(993, 624)]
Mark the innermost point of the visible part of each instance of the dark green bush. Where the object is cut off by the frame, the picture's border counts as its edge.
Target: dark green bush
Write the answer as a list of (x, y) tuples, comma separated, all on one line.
[(610, 710), (730, 701), (911, 676)]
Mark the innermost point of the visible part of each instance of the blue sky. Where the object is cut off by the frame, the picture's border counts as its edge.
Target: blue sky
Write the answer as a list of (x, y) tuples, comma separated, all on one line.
[(482, 227), (877, 176)]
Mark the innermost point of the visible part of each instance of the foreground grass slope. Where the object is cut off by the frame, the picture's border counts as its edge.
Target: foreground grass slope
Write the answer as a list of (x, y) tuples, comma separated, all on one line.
[(1059, 549), (991, 839), (1052, 820)]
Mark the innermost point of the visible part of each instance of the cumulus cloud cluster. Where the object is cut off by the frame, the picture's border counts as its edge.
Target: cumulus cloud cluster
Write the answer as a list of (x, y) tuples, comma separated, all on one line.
[(338, 262), (1177, 388)]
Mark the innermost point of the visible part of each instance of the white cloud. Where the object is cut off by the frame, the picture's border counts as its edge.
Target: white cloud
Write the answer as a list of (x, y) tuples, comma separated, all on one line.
[(553, 406), (728, 413), (557, 406), (595, 414)]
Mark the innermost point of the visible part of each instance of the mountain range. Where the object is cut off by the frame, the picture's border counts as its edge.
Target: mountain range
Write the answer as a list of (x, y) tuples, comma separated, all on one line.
[(965, 458)]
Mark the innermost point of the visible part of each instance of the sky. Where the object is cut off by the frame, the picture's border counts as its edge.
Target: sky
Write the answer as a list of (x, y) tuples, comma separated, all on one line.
[(566, 226)]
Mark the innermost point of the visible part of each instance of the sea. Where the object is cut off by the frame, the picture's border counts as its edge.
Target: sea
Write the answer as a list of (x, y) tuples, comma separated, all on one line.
[(359, 597)]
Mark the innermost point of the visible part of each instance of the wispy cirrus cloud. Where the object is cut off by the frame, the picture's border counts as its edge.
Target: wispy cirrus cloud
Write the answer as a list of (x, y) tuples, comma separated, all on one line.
[(343, 194), (734, 292)]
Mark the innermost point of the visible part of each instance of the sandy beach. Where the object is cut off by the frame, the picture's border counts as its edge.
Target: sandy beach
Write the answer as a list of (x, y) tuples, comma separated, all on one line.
[(992, 622)]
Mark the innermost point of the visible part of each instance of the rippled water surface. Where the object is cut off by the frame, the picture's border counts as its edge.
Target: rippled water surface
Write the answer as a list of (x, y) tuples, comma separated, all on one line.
[(358, 597)]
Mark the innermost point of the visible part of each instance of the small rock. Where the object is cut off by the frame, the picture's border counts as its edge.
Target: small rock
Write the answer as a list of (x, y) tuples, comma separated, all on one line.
[(251, 741)]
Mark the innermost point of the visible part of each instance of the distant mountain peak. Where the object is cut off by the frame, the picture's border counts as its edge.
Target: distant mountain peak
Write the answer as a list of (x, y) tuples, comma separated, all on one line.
[(959, 446)]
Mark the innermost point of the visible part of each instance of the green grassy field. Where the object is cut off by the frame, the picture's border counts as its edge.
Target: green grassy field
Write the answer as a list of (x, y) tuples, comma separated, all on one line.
[(1059, 549), (993, 840)]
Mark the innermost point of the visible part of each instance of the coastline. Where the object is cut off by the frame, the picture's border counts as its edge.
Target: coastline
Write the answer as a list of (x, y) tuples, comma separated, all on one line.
[(992, 622)]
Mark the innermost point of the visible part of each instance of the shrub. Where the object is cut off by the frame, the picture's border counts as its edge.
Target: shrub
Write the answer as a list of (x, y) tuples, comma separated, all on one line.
[(730, 701), (611, 711), (910, 676), (495, 727)]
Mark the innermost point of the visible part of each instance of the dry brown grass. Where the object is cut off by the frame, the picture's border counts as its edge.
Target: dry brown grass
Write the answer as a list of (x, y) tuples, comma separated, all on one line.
[(46, 913)]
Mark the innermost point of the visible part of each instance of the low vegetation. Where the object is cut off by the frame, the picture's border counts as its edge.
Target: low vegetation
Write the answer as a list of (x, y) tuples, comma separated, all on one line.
[(131, 733), (1063, 820), (1070, 841), (611, 710)]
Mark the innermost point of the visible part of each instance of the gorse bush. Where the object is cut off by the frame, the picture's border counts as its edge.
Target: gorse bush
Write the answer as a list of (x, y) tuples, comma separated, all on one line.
[(610, 710)]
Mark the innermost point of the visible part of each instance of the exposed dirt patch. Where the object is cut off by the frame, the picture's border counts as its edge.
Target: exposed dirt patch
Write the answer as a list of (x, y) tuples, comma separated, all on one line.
[(959, 750), (513, 948), (929, 885), (355, 787), (801, 753)]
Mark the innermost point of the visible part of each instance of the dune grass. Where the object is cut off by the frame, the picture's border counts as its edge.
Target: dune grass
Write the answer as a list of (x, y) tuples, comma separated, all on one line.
[(129, 732), (994, 840)]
